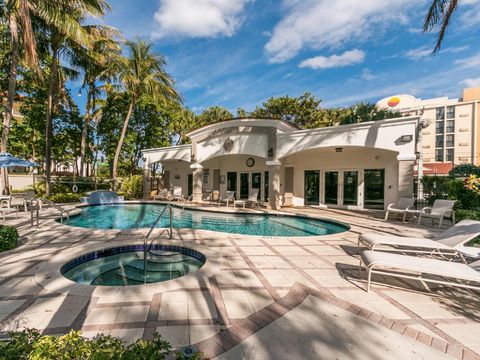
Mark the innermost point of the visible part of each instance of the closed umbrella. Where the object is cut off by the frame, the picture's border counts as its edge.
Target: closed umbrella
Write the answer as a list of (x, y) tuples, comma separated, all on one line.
[(8, 160)]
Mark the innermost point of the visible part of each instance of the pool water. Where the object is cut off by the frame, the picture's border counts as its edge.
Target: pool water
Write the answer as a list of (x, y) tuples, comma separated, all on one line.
[(132, 216), (124, 266)]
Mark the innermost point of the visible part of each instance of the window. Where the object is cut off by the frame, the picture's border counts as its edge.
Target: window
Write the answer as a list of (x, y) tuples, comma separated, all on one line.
[(450, 126), (450, 112), (439, 155), (440, 113), (439, 127), (439, 141), (450, 141), (206, 177), (450, 155)]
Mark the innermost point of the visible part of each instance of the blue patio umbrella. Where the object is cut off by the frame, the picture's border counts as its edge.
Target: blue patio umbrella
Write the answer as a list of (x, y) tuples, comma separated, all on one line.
[(8, 160)]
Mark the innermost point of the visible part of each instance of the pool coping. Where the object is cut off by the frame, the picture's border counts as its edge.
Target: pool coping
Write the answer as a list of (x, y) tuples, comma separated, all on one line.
[(263, 213), (49, 276)]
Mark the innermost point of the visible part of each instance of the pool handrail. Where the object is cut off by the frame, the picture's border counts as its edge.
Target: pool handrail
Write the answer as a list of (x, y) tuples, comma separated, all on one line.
[(36, 204), (147, 236)]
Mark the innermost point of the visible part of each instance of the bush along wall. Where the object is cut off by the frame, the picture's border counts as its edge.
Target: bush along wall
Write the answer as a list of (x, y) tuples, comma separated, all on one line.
[(8, 237), (30, 345)]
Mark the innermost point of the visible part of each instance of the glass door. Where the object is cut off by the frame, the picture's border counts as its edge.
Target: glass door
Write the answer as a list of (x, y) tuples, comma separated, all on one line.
[(244, 185), (374, 194), (350, 188), (257, 182), (232, 182), (331, 187), (312, 187)]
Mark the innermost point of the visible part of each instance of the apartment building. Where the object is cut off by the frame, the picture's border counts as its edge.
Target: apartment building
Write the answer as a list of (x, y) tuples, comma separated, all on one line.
[(453, 134)]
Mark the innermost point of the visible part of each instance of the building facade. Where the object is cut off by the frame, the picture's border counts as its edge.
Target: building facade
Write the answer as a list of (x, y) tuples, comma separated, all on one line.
[(367, 165), (453, 134)]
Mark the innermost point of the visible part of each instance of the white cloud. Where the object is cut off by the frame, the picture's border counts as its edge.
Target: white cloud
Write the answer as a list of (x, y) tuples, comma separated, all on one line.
[(351, 57), (320, 24), (425, 51), (469, 62), (368, 75), (472, 82), (198, 18)]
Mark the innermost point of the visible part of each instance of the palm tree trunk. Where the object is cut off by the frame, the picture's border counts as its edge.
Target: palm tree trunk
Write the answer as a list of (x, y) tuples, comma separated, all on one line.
[(86, 123), (120, 144), (48, 123), (12, 84)]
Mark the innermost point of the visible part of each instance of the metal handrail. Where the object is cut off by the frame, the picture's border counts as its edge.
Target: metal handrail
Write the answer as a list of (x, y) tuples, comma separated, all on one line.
[(147, 236), (38, 201)]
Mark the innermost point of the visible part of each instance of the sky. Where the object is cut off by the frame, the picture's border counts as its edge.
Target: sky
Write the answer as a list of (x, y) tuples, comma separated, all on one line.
[(238, 53)]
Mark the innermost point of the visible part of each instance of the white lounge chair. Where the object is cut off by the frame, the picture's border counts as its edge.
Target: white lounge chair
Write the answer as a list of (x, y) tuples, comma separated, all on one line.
[(448, 243), (422, 269), (177, 194), (227, 198), (161, 195), (400, 207), (251, 201), (7, 208), (439, 210)]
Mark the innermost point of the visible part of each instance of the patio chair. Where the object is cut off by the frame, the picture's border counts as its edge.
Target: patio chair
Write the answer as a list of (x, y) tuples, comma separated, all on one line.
[(161, 195), (211, 196), (177, 194), (421, 269), (253, 198), (7, 208), (400, 207), (446, 244), (439, 210), (227, 198)]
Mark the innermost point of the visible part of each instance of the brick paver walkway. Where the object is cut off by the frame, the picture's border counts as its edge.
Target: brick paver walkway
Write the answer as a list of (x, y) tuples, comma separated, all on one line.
[(256, 281)]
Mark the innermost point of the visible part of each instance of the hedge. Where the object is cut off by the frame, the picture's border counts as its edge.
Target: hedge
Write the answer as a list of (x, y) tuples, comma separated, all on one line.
[(8, 237), (30, 345)]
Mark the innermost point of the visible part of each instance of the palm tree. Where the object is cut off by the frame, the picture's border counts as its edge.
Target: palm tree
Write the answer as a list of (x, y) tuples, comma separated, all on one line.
[(96, 64), (441, 12), (141, 74), (56, 14)]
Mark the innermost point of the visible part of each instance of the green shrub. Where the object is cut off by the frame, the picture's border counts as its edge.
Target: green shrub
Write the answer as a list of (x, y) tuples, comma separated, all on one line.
[(8, 237), (132, 187), (65, 197), (461, 214), (29, 344)]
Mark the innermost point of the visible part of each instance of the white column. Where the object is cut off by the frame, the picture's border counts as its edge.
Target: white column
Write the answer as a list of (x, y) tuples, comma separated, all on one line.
[(147, 185), (274, 184), (197, 182)]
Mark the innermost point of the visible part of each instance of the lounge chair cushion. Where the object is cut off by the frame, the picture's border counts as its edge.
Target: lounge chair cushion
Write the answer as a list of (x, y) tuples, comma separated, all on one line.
[(388, 261), (372, 239)]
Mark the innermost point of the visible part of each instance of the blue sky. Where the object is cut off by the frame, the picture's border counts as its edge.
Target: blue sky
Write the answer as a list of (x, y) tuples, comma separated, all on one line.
[(237, 53)]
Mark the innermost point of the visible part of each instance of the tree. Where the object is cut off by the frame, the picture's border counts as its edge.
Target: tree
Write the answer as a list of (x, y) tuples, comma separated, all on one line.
[(96, 65), (303, 111), (440, 11), (56, 14), (364, 112), (464, 170), (213, 115), (63, 42), (141, 74)]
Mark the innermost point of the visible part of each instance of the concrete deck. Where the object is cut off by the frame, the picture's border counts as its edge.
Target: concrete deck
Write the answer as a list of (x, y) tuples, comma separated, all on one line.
[(255, 297)]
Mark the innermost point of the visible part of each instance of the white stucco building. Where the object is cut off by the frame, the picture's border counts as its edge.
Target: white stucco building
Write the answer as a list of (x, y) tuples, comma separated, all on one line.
[(365, 165)]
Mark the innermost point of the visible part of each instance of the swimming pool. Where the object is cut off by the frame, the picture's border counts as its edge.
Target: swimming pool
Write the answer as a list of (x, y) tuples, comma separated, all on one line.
[(133, 216)]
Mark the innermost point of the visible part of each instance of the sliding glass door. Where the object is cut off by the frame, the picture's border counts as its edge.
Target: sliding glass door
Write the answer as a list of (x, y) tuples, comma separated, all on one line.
[(312, 187), (331, 187), (374, 180)]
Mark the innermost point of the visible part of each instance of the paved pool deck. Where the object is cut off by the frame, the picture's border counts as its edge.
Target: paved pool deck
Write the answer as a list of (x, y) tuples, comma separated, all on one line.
[(256, 297)]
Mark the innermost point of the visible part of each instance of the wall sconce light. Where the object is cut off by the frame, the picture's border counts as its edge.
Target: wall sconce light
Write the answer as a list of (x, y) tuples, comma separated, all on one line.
[(338, 150), (177, 177)]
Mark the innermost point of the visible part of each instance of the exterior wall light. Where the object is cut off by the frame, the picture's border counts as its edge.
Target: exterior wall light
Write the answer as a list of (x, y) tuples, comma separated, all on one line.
[(406, 138), (338, 150)]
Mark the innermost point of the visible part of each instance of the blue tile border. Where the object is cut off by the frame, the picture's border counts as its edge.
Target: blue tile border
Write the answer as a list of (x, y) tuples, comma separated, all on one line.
[(130, 248)]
